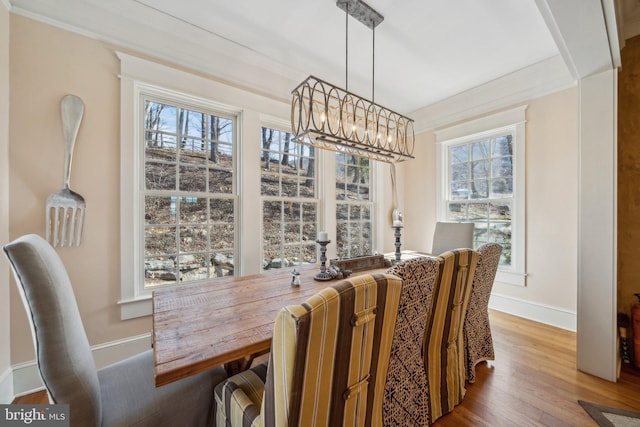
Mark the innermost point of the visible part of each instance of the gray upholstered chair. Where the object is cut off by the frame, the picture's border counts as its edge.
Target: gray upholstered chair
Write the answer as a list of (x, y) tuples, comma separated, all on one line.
[(444, 356), (328, 361), (119, 395), (478, 342), (452, 235), (406, 397)]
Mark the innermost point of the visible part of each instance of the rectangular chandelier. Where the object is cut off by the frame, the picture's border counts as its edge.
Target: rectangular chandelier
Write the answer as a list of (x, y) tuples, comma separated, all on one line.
[(328, 117)]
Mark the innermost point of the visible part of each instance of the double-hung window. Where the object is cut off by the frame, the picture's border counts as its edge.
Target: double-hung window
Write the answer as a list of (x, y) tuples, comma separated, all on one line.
[(354, 207), (188, 193), (482, 177), (288, 186), (179, 198)]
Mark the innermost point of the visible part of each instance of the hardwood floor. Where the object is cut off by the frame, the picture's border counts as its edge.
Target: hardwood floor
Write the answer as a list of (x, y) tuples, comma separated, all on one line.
[(532, 382)]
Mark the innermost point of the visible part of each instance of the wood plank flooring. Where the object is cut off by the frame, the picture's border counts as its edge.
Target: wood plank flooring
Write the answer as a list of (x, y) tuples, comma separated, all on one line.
[(532, 382)]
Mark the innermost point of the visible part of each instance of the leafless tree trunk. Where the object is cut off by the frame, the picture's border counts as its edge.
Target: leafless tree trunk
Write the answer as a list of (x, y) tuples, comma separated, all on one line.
[(183, 125), (267, 139), (285, 155), (215, 134), (311, 170), (356, 170), (152, 122)]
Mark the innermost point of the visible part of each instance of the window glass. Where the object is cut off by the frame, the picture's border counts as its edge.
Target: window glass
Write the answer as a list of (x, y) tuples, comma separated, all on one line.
[(480, 189), (354, 235), (290, 208), (189, 209)]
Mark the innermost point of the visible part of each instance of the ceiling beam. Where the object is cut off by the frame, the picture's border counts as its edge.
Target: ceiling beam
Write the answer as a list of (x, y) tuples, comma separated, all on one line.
[(586, 33)]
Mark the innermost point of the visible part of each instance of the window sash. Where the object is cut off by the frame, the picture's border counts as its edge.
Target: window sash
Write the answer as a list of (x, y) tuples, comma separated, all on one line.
[(354, 206), (489, 127), (285, 165)]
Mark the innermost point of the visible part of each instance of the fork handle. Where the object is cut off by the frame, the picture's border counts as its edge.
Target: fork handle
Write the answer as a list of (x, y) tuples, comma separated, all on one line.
[(72, 110)]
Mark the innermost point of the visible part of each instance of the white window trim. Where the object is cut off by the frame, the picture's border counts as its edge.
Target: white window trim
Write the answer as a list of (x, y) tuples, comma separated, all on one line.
[(476, 129), (135, 301)]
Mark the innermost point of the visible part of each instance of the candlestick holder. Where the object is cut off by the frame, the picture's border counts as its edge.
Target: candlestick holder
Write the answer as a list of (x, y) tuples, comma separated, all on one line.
[(323, 275), (398, 234)]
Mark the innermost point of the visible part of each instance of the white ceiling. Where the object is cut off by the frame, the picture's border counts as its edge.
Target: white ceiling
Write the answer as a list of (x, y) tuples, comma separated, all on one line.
[(426, 51)]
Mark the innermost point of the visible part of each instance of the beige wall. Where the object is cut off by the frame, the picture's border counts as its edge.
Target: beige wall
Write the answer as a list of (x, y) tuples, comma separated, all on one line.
[(551, 201), (46, 64), (419, 179), (5, 359)]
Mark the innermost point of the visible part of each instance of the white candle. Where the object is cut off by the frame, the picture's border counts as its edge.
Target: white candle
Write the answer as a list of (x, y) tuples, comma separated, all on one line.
[(397, 223), (323, 236)]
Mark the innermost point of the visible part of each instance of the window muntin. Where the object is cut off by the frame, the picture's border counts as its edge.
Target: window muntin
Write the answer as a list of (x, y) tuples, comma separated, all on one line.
[(480, 189), (503, 211), (354, 207), (188, 195), (288, 185)]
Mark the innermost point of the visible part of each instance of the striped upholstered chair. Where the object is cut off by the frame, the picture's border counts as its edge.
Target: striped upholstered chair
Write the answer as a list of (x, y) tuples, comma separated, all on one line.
[(328, 361), (444, 356), (478, 343), (406, 401)]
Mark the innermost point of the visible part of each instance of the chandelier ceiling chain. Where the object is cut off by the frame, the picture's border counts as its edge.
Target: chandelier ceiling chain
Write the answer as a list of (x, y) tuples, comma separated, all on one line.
[(327, 117)]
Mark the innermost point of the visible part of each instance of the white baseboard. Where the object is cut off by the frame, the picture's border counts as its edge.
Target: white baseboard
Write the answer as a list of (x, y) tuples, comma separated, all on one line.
[(542, 313), (26, 378), (6, 387)]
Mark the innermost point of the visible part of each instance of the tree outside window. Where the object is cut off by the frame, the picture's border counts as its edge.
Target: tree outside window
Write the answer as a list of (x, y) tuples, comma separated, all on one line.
[(290, 208), (189, 200), (480, 189), (354, 207)]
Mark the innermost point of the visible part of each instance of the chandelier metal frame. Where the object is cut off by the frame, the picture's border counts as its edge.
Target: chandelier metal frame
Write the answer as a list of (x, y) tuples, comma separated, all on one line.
[(328, 117)]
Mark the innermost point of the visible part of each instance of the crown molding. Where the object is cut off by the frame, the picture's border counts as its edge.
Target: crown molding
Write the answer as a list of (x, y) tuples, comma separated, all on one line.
[(230, 63), (543, 78)]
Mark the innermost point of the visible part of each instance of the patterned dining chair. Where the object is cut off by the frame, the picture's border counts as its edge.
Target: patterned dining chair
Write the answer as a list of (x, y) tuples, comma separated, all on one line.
[(444, 356), (328, 361), (406, 400), (478, 342), (122, 394)]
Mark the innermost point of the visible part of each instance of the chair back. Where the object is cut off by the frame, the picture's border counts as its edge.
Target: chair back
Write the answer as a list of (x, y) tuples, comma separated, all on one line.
[(478, 342), (406, 397), (63, 354), (444, 341), (452, 235), (329, 356)]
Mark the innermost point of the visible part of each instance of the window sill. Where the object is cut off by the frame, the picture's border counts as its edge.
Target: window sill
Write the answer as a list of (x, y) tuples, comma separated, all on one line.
[(137, 307), (511, 277)]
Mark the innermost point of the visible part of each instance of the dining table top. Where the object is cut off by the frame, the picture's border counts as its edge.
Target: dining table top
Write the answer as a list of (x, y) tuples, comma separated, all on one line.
[(214, 323)]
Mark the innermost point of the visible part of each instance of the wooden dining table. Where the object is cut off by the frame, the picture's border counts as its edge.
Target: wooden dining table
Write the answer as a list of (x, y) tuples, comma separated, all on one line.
[(225, 321)]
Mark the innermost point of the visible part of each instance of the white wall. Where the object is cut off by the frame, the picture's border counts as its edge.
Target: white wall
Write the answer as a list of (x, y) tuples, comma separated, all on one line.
[(6, 383), (551, 211), (597, 222)]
